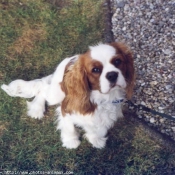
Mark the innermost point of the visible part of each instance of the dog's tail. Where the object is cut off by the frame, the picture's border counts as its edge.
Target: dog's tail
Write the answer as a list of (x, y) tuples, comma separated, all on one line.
[(27, 89), (47, 89)]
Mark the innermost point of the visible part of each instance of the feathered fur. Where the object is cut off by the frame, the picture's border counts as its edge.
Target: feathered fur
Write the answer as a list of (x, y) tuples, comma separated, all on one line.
[(89, 89)]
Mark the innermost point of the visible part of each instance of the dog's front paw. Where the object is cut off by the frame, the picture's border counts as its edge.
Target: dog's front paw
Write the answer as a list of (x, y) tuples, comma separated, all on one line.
[(97, 142), (36, 114), (71, 144)]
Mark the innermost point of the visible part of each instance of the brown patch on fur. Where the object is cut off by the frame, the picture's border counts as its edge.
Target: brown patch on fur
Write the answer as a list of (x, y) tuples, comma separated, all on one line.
[(26, 41), (93, 78), (79, 79), (126, 66), (76, 87)]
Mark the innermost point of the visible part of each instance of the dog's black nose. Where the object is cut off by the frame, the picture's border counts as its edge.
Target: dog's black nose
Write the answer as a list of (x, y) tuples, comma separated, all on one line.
[(112, 76)]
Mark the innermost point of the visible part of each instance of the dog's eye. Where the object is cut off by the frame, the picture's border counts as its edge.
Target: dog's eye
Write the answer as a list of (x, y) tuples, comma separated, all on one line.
[(117, 62), (96, 70)]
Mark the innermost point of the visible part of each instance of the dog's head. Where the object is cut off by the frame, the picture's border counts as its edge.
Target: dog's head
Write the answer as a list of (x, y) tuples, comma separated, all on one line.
[(105, 67)]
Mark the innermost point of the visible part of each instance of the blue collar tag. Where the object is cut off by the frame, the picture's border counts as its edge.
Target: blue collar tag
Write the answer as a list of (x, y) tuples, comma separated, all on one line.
[(117, 101)]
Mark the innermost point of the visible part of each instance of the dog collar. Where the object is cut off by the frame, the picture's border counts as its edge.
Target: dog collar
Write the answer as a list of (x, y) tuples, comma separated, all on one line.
[(117, 101)]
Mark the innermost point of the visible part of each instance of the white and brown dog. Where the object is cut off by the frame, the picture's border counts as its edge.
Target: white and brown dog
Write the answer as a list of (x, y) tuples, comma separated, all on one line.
[(90, 89)]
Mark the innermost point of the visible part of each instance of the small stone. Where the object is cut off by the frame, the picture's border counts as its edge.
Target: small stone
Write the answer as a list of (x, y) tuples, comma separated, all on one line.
[(173, 128), (167, 9), (151, 6), (139, 116), (170, 100), (162, 120), (136, 1), (147, 116), (161, 108), (152, 120), (121, 4), (124, 28), (168, 86), (167, 51), (126, 7), (163, 131), (152, 20), (161, 24), (143, 103), (130, 107), (153, 83), (138, 56), (169, 76)]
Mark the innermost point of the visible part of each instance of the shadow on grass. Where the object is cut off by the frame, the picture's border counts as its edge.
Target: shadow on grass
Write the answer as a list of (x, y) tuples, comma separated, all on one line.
[(35, 146)]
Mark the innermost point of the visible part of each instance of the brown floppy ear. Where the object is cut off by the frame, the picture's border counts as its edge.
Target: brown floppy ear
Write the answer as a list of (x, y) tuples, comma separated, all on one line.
[(129, 71), (77, 91)]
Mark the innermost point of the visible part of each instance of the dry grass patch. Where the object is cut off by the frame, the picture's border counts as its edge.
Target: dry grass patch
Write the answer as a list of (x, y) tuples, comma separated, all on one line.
[(26, 42), (3, 127), (60, 3)]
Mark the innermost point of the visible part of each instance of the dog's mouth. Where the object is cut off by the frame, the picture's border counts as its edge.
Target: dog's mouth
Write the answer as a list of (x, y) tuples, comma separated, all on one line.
[(112, 85)]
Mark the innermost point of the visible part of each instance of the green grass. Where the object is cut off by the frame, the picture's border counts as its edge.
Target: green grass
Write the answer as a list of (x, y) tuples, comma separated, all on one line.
[(34, 37)]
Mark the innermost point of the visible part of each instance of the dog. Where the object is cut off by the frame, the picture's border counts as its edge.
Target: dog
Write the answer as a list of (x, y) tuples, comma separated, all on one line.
[(90, 89)]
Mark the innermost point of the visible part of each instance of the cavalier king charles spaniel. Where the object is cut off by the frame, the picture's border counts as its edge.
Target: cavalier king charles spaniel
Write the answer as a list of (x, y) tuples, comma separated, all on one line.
[(90, 89)]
